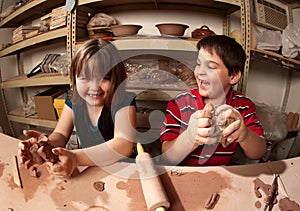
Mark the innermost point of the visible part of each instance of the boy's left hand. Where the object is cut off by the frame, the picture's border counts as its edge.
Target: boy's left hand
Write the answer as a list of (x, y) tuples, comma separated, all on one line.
[(235, 129), (65, 166)]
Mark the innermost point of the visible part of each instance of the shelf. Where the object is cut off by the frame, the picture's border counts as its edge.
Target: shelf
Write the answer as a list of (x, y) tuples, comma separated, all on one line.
[(34, 41), (32, 121), (274, 58), (152, 43), (30, 11), (152, 94), (219, 5), (42, 79)]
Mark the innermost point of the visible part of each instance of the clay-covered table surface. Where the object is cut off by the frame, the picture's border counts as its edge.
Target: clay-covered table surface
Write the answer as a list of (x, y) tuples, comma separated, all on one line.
[(188, 188)]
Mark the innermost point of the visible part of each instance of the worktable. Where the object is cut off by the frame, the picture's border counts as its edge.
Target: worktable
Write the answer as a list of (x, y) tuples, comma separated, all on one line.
[(187, 188)]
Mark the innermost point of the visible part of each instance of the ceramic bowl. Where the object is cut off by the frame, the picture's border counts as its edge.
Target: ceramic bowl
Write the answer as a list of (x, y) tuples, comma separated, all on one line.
[(172, 29), (125, 30)]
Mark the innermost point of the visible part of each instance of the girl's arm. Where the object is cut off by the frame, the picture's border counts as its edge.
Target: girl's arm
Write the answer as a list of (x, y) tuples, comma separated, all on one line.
[(120, 147), (63, 130)]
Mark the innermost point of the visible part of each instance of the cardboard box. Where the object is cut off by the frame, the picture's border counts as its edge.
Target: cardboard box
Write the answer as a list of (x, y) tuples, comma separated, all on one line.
[(44, 102)]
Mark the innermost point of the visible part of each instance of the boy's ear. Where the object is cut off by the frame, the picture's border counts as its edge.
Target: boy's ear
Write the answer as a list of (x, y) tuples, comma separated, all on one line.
[(234, 79)]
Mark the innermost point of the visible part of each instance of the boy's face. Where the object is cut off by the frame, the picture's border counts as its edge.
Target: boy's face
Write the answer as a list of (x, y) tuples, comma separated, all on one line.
[(212, 77)]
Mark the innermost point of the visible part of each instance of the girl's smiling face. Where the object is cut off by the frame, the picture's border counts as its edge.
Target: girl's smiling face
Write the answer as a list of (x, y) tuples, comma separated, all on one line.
[(212, 77), (92, 87)]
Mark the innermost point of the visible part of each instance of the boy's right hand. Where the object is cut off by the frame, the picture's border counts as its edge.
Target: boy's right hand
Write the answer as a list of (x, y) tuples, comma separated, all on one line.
[(200, 128)]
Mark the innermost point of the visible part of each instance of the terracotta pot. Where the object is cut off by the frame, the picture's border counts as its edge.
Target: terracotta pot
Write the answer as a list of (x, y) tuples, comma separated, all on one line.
[(202, 32)]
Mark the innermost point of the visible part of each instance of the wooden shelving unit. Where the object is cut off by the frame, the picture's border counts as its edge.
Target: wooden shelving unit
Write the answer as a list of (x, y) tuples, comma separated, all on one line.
[(24, 14)]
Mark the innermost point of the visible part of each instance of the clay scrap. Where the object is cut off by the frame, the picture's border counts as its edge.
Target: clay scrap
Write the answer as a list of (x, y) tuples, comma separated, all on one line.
[(286, 204), (211, 201), (99, 186)]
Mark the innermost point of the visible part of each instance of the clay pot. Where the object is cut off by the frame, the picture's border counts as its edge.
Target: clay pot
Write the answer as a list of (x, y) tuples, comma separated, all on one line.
[(125, 29), (173, 29), (202, 32)]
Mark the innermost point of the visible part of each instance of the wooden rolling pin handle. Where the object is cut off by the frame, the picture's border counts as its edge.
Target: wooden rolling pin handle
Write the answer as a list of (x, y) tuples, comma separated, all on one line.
[(154, 193)]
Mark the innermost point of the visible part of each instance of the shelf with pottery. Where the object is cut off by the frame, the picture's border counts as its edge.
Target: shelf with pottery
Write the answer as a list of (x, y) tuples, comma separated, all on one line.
[(228, 5), (152, 43), (29, 11), (22, 16)]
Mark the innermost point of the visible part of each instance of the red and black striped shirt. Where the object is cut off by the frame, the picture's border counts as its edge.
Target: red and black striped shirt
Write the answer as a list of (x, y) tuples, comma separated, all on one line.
[(178, 113)]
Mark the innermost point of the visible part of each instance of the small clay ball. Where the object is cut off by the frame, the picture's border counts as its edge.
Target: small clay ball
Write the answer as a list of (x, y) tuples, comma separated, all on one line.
[(99, 186)]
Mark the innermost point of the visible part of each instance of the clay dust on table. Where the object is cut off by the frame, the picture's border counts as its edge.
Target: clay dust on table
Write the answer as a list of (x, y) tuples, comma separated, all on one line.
[(181, 190), (31, 184), (2, 166)]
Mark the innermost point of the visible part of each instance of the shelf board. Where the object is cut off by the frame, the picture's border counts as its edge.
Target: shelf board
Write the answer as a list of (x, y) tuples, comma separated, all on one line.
[(34, 41), (275, 58), (42, 79), (30, 11), (215, 4), (32, 121), (152, 43)]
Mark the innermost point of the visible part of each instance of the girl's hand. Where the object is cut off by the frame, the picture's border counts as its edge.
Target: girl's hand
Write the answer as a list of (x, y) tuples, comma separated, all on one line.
[(235, 129), (65, 166), (26, 151)]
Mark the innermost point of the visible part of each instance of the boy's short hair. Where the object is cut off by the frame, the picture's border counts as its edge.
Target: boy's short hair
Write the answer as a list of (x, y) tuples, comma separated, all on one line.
[(230, 52)]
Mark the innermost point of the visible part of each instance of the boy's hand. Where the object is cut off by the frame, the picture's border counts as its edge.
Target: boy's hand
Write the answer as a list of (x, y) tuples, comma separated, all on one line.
[(233, 123), (200, 128), (65, 166)]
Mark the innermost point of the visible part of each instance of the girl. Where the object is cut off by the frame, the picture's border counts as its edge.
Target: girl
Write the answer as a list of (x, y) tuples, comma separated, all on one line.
[(100, 109)]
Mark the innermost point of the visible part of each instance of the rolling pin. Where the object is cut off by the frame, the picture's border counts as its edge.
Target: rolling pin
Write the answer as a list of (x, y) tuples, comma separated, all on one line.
[(153, 190)]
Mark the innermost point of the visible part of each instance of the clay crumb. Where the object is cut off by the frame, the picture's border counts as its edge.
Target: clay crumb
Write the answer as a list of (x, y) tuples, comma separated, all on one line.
[(176, 172), (99, 186), (211, 201), (34, 172)]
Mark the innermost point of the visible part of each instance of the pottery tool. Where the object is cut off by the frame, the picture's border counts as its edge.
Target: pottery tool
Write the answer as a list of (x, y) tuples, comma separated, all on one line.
[(153, 190), (16, 171), (271, 198), (281, 186)]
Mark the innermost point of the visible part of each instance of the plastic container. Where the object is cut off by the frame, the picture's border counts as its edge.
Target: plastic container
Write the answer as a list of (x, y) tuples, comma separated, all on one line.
[(59, 103)]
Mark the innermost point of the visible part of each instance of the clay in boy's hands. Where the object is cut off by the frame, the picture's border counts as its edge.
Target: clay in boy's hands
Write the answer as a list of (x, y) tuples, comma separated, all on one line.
[(221, 123)]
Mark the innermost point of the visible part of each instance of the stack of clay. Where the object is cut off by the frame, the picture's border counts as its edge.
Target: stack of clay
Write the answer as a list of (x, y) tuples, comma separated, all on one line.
[(20, 32), (58, 17), (293, 119)]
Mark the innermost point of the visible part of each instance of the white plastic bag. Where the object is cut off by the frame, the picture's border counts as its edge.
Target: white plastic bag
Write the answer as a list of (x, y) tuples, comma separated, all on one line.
[(269, 40), (291, 41)]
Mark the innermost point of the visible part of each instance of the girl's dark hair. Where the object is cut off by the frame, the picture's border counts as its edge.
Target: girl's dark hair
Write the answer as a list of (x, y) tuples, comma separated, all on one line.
[(231, 52), (109, 65)]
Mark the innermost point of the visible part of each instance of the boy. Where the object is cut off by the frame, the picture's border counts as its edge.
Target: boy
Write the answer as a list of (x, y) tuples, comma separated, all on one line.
[(204, 125)]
